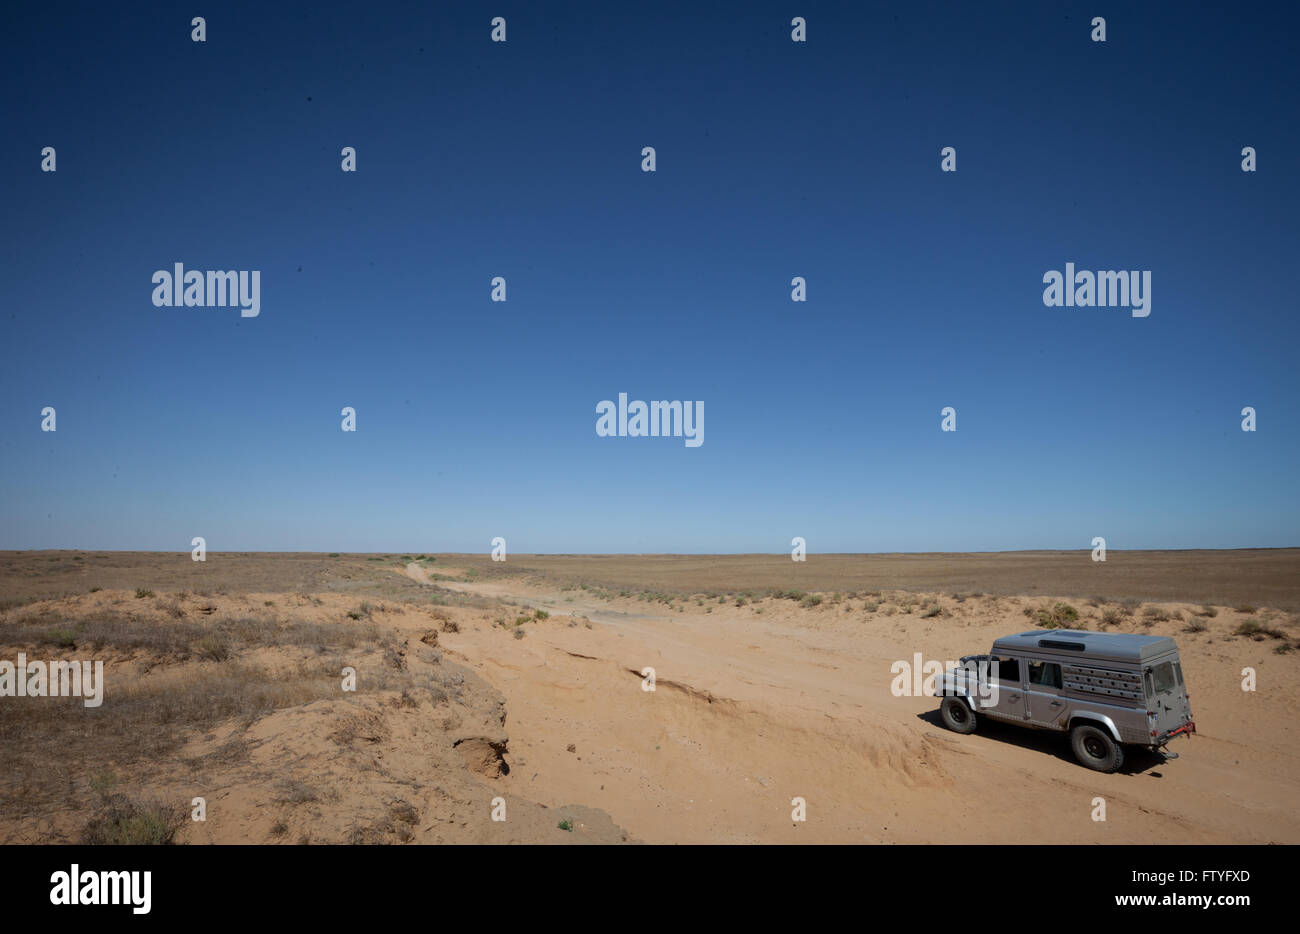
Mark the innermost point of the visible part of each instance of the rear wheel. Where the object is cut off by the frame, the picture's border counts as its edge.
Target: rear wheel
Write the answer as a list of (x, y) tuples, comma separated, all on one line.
[(956, 715), (1095, 749)]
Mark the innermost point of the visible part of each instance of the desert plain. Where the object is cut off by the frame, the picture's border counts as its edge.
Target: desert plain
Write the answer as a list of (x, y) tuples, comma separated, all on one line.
[(517, 689)]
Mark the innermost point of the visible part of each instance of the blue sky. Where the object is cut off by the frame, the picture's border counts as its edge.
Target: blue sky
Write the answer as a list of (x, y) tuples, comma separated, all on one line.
[(775, 159)]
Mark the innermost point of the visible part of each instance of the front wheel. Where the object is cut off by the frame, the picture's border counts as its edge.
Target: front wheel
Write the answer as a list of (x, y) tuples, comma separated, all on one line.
[(1095, 749), (956, 715)]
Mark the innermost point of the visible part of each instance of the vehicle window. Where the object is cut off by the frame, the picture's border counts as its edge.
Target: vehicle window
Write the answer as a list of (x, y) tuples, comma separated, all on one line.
[(1008, 669), (1178, 673), (1047, 674), (1163, 675)]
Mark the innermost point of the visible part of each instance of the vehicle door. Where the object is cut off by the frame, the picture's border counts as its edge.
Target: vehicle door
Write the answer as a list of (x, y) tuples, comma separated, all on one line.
[(1044, 703), (1167, 695), (1005, 697)]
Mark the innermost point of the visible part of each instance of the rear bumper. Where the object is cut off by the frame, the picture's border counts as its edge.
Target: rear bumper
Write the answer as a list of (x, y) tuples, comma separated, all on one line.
[(1187, 729)]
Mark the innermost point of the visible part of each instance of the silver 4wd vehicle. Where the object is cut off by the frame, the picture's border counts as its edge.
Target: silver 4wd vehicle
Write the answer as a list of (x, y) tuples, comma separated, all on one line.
[(1107, 690)]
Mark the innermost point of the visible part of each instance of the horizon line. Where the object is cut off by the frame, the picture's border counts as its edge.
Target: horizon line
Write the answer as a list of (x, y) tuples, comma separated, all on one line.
[(638, 554)]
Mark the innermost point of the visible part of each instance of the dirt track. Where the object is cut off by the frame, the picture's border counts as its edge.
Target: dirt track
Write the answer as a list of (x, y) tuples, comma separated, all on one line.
[(752, 710)]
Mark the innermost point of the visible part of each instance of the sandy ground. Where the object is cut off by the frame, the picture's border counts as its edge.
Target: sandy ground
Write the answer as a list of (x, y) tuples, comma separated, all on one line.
[(471, 692), (753, 710)]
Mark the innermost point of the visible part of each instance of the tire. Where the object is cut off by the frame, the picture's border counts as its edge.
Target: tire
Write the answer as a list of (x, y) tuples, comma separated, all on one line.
[(1095, 749), (956, 715)]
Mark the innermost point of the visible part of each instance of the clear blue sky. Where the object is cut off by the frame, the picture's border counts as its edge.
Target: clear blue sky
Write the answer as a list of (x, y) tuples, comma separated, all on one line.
[(775, 160)]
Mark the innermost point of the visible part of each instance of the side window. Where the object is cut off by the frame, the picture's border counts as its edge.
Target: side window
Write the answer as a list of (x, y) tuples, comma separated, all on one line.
[(1007, 669), (1047, 674)]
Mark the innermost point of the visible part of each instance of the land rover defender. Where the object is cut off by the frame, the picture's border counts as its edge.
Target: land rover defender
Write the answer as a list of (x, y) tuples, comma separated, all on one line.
[(1107, 690)]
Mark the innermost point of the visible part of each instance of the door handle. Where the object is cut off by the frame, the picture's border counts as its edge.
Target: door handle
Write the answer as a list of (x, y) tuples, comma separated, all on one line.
[(1056, 703), (1015, 697)]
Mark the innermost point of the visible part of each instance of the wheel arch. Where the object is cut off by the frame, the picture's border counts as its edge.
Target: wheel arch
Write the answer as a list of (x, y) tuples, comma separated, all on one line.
[(960, 695), (1096, 719)]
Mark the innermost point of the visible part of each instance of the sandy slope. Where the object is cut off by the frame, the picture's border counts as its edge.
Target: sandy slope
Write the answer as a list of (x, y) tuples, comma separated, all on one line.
[(414, 754), (752, 710)]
